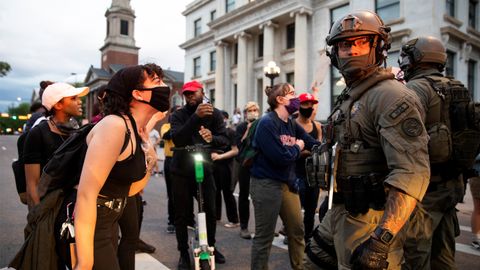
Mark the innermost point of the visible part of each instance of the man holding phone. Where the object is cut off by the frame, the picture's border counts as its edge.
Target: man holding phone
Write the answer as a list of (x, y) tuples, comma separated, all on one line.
[(198, 122)]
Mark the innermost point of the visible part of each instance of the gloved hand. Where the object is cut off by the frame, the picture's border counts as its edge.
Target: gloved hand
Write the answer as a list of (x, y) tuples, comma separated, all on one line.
[(371, 254)]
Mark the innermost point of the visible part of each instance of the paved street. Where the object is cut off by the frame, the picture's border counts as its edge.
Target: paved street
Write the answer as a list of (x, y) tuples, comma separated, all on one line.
[(235, 249)]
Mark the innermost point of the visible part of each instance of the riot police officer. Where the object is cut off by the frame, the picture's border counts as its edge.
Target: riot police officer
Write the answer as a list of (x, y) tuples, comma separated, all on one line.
[(381, 159), (431, 238)]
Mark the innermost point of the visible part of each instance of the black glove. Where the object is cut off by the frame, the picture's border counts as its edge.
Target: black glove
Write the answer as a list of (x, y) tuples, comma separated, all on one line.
[(371, 254)]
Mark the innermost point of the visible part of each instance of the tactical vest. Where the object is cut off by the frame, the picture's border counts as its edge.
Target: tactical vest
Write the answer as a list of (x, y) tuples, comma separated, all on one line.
[(356, 157), (455, 135)]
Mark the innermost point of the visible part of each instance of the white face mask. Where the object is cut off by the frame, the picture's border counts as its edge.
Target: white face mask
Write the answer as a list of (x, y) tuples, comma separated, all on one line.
[(252, 116)]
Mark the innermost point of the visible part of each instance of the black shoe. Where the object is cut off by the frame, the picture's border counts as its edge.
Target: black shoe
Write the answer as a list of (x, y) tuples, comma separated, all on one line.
[(144, 247), (170, 228), (219, 258), (184, 261)]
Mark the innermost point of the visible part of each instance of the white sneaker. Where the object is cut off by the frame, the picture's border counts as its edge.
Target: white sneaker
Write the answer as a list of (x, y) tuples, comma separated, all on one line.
[(476, 244), (232, 225)]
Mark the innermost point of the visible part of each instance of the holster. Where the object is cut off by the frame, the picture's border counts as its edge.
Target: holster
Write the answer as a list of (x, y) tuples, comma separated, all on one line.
[(360, 193)]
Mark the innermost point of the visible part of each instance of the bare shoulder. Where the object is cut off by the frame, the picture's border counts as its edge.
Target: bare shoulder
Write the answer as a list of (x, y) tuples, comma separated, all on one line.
[(111, 126)]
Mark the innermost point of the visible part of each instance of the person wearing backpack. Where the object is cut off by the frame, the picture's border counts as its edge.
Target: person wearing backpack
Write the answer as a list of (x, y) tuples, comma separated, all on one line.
[(62, 102), (252, 113), (279, 142), (117, 163), (431, 238)]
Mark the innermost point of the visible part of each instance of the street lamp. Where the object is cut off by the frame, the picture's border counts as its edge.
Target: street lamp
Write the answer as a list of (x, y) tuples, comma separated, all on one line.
[(271, 71)]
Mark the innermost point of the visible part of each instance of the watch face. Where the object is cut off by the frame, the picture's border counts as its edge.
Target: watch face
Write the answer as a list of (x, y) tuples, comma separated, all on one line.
[(387, 237), (384, 235)]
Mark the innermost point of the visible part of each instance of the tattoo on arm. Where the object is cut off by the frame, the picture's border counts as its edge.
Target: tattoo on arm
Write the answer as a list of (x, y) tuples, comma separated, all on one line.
[(398, 208)]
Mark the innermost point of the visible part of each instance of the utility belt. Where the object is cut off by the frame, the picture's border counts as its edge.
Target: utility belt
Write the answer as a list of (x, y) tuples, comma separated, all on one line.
[(115, 204), (361, 193)]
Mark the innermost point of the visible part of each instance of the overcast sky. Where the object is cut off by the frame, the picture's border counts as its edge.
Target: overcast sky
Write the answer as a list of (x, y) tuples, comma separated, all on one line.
[(50, 39)]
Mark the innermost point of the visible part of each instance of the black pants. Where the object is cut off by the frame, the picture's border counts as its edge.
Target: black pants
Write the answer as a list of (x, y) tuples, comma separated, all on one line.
[(105, 242), (222, 174), (184, 189), (243, 201), (168, 183), (309, 201), (130, 223)]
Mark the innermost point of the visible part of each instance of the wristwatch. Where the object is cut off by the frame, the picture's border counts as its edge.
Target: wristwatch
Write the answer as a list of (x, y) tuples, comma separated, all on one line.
[(384, 235)]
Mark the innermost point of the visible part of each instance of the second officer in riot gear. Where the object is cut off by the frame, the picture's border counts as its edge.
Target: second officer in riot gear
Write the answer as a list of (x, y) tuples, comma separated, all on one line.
[(381, 159), (431, 237)]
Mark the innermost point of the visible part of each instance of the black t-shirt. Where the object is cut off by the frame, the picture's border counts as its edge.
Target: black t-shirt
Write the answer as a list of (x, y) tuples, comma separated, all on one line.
[(40, 144), (300, 163)]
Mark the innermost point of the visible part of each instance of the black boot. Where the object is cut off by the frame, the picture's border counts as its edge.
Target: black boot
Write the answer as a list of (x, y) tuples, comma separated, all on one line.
[(219, 258), (144, 247), (184, 261)]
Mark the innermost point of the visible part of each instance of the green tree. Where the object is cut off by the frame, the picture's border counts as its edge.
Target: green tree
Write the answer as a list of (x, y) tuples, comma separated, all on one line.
[(4, 68), (22, 109)]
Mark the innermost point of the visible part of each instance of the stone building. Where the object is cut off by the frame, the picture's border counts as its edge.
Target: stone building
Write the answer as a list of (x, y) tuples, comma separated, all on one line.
[(229, 42)]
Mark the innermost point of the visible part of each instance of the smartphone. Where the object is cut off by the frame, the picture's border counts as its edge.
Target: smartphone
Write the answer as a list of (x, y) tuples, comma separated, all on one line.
[(205, 100)]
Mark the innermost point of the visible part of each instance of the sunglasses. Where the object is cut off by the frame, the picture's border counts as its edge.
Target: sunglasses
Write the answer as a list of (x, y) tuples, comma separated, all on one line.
[(358, 42)]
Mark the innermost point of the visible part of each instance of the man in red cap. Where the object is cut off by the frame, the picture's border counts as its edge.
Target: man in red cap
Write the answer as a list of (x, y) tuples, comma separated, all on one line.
[(308, 194), (198, 122)]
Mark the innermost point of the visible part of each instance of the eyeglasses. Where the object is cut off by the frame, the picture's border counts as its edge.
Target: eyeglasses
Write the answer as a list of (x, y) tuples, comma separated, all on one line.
[(358, 42)]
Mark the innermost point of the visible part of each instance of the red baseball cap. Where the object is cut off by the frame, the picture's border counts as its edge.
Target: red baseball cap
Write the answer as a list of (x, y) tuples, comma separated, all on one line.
[(192, 86), (304, 97)]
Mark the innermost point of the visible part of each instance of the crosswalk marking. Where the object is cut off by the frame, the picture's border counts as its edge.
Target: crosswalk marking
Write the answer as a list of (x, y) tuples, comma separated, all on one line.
[(144, 261), (467, 249)]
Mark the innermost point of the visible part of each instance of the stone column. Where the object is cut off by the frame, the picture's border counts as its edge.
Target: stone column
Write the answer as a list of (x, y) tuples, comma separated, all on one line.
[(220, 75), (268, 55), (301, 51), (242, 69)]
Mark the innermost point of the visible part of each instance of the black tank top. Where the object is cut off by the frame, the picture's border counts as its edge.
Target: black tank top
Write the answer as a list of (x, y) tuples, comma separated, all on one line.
[(300, 164), (126, 171)]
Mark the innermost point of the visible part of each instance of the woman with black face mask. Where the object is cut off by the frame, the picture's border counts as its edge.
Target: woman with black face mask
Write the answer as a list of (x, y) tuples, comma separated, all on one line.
[(308, 195)]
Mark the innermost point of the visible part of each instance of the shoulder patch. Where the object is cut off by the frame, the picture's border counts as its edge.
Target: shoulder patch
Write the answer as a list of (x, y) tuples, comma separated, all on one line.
[(399, 110), (355, 109), (412, 127)]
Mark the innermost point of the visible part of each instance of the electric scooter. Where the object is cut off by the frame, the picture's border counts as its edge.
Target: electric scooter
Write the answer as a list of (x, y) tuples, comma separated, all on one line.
[(203, 254)]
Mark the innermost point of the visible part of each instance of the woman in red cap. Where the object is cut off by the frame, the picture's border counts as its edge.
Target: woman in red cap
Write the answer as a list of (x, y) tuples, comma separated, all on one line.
[(308, 195)]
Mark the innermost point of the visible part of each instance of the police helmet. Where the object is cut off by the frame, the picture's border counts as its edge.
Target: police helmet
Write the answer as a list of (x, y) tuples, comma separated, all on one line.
[(422, 50), (360, 23)]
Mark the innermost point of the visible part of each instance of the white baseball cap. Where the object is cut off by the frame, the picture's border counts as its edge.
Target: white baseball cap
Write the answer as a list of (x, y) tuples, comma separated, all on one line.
[(55, 92)]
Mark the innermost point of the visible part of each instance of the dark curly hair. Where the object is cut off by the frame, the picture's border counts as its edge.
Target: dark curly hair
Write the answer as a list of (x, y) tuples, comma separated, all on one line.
[(115, 104)]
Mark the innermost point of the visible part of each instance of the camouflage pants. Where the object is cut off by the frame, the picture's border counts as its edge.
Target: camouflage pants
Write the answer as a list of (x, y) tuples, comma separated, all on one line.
[(345, 232)]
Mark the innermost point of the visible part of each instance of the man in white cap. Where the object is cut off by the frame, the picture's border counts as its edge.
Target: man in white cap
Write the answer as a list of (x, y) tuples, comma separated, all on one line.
[(62, 102)]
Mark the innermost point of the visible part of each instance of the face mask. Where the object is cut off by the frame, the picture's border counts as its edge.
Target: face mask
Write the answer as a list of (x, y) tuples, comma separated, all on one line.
[(305, 112), (160, 99), (252, 116), (293, 106), (355, 67)]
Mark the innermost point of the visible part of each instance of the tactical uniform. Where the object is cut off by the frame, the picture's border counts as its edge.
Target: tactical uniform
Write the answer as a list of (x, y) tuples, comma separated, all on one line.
[(381, 145), (380, 134), (431, 236)]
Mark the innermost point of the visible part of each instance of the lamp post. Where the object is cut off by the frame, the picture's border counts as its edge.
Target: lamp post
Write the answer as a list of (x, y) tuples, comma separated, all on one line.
[(271, 71)]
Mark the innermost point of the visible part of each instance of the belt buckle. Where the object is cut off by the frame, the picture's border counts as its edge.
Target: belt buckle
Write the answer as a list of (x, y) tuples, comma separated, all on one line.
[(109, 204)]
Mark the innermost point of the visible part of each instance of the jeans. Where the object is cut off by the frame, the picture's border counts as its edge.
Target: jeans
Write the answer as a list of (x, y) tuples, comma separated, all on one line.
[(271, 198)]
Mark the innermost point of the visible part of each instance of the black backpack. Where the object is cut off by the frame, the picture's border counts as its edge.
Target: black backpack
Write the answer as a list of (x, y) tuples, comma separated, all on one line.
[(460, 120), (246, 151), (65, 166), (19, 167)]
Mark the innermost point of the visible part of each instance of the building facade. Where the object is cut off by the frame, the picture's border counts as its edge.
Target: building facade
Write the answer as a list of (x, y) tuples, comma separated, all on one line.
[(229, 42)]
